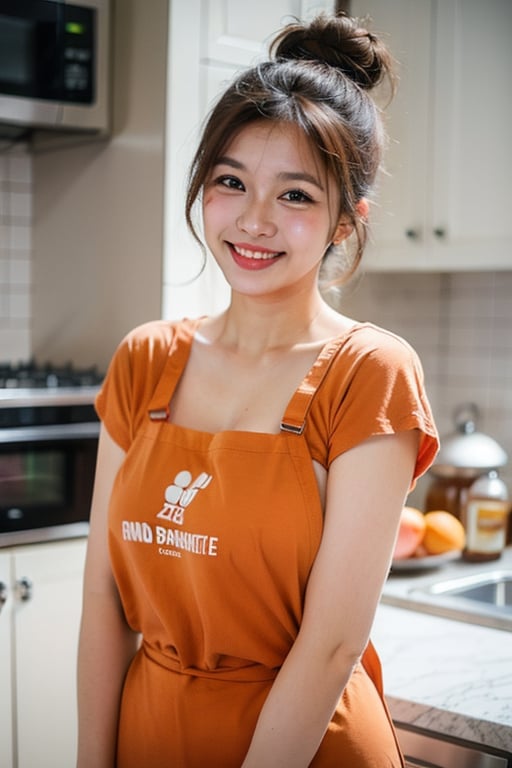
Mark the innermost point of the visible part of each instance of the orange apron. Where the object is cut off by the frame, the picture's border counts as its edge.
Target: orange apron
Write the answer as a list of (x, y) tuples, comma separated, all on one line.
[(212, 538)]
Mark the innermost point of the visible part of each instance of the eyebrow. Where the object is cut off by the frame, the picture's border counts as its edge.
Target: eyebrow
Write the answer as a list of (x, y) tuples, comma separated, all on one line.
[(284, 175)]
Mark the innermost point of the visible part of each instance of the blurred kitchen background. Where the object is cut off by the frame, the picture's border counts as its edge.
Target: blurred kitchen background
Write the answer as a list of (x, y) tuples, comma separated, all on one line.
[(93, 243), (91, 234)]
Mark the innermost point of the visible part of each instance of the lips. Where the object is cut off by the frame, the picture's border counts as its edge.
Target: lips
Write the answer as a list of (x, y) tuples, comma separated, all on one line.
[(249, 257)]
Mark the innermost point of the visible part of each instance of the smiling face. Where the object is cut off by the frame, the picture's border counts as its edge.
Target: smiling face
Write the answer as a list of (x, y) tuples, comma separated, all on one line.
[(269, 211)]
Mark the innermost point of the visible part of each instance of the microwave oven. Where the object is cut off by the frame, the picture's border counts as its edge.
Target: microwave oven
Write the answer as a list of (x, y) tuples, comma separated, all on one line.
[(54, 65)]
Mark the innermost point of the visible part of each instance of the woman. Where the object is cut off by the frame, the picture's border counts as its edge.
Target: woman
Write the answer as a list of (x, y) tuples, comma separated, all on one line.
[(253, 466)]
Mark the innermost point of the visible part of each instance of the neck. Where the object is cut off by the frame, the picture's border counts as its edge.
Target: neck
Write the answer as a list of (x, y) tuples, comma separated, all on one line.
[(253, 328)]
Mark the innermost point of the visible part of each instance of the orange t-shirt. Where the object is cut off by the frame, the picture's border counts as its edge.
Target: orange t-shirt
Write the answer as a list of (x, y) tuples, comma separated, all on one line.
[(212, 538), (376, 387)]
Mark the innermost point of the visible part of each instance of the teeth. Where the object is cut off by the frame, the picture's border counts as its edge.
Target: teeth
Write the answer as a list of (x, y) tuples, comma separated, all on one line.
[(255, 254)]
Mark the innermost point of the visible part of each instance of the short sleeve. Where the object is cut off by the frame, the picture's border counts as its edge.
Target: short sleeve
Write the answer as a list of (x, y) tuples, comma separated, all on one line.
[(131, 379), (374, 387)]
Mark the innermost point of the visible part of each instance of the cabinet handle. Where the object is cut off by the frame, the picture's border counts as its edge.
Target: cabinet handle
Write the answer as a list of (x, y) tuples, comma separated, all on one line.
[(412, 234), (3, 594), (24, 589), (440, 232)]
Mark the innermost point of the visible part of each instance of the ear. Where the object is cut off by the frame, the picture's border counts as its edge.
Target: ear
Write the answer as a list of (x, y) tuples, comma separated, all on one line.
[(344, 228), (363, 208), (342, 231)]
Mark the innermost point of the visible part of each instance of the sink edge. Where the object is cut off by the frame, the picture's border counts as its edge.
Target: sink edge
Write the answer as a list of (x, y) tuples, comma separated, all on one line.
[(445, 607)]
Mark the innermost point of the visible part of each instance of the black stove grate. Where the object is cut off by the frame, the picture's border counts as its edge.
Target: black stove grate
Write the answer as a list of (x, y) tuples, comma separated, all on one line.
[(32, 375)]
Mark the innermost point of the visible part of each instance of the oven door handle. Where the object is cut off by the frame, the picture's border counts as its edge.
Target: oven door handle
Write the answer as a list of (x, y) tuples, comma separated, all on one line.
[(50, 432)]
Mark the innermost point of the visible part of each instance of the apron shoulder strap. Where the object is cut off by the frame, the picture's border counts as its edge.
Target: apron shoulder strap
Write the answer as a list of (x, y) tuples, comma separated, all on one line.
[(178, 355), (294, 419)]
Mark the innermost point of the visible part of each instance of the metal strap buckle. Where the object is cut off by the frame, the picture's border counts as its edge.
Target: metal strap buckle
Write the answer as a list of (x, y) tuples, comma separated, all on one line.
[(159, 414), (293, 428)]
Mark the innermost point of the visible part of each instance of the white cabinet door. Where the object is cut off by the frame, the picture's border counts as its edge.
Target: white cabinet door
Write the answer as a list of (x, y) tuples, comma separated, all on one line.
[(6, 693), (472, 158), (236, 33), (398, 213), (444, 199), (45, 646)]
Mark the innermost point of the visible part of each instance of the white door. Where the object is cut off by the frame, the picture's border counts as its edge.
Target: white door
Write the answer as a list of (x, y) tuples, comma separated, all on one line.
[(49, 577), (6, 714), (398, 212), (472, 151)]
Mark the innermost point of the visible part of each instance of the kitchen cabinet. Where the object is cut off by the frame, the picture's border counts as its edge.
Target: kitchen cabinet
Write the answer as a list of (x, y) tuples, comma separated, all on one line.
[(216, 38), (39, 624), (443, 203), (5, 666)]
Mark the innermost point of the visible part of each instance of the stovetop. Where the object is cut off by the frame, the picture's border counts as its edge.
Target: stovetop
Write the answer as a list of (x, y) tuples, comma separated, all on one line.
[(39, 384), (32, 375)]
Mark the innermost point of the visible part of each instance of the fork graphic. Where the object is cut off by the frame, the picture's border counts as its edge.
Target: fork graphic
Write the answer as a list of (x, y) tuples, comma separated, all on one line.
[(201, 481)]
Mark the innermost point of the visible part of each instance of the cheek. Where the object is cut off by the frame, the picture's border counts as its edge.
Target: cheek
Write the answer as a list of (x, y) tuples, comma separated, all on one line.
[(217, 209), (209, 203), (213, 213), (207, 197), (310, 229)]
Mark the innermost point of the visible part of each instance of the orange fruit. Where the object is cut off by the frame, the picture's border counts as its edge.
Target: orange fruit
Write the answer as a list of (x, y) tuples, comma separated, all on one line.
[(443, 533), (410, 533)]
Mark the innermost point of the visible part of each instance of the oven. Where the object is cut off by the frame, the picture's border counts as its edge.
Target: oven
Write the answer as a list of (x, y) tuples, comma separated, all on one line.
[(48, 445)]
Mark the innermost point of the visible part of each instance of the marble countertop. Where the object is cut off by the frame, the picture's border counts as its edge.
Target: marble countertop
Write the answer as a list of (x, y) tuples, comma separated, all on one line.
[(444, 675)]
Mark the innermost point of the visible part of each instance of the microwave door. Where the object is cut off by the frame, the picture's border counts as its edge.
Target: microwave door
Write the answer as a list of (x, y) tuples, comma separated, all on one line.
[(29, 63)]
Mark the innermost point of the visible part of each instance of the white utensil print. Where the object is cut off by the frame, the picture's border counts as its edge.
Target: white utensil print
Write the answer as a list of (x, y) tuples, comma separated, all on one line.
[(198, 484)]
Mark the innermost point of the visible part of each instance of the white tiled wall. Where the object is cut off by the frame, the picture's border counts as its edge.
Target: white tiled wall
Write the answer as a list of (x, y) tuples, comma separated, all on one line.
[(15, 254), (461, 326)]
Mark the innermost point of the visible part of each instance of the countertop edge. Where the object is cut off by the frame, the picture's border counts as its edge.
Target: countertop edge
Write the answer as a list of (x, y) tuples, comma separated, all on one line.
[(450, 724)]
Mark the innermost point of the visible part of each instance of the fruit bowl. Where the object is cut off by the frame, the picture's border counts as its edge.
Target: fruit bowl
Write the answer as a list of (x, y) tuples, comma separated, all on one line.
[(426, 562)]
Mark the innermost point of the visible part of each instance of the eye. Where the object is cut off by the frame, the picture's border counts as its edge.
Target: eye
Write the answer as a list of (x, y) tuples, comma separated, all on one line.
[(230, 182), (297, 196)]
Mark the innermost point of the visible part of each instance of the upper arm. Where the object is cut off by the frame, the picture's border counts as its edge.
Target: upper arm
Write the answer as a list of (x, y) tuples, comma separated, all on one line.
[(98, 577), (375, 387), (366, 490)]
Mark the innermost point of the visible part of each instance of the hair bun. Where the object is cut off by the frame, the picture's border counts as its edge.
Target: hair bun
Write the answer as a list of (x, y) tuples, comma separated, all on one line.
[(339, 41)]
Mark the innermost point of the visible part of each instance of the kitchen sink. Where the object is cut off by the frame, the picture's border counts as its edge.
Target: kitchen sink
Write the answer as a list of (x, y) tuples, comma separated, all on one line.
[(494, 588), (480, 598)]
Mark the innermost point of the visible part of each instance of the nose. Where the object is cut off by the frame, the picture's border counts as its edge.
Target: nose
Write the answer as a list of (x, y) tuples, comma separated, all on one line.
[(256, 219)]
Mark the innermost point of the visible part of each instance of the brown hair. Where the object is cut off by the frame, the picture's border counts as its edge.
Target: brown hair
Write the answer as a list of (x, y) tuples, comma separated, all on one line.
[(317, 78)]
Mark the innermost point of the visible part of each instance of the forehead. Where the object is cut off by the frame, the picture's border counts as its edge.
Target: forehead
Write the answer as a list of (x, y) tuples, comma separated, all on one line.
[(275, 143)]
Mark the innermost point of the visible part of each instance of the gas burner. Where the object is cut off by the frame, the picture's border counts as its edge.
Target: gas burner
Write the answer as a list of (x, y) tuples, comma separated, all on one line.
[(32, 375)]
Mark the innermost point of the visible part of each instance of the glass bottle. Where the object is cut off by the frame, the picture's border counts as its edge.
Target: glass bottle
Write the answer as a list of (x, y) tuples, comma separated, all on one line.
[(486, 513)]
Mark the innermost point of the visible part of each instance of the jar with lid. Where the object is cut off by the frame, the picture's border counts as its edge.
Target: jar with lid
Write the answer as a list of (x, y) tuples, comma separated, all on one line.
[(464, 456), (485, 518)]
